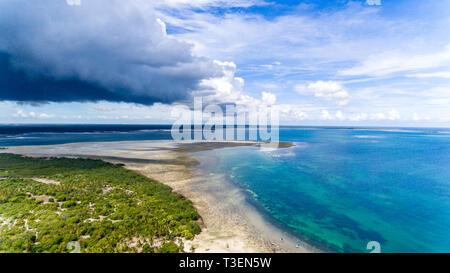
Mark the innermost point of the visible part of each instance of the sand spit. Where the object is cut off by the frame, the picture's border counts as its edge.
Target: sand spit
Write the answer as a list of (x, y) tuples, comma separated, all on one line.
[(229, 225)]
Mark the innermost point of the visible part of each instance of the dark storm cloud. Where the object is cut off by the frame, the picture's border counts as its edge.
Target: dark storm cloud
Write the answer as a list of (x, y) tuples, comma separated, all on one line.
[(102, 50)]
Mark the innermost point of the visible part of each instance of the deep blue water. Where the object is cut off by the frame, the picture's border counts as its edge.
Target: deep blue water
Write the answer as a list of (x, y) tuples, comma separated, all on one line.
[(338, 188)]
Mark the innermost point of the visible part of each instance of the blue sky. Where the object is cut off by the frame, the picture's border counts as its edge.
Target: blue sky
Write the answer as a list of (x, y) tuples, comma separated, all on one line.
[(381, 63)]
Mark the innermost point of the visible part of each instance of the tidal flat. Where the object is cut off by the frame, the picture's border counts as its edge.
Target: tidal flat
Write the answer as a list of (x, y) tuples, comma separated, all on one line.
[(229, 224)]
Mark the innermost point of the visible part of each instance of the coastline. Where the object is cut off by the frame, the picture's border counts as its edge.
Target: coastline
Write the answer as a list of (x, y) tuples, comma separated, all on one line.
[(229, 223)]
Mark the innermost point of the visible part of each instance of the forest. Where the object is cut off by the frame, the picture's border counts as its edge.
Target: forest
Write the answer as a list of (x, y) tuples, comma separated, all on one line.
[(49, 204)]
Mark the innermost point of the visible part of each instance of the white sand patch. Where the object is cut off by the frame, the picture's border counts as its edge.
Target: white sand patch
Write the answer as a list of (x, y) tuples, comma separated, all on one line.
[(46, 181), (44, 198), (107, 189)]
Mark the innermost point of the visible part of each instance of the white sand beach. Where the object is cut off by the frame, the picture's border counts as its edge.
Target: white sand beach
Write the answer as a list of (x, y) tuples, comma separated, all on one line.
[(229, 223)]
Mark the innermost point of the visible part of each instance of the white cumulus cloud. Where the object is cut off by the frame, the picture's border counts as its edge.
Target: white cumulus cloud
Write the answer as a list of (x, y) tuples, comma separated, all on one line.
[(328, 90)]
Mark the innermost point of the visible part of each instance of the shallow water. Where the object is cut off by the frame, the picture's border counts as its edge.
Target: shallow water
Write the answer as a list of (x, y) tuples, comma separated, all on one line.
[(340, 189), (337, 189)]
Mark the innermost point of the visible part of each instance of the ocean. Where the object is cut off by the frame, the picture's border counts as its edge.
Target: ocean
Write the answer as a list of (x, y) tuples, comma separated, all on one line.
[(337, 189)]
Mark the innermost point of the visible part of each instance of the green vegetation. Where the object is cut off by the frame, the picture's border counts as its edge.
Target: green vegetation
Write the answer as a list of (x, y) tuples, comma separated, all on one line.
[(102, 206)]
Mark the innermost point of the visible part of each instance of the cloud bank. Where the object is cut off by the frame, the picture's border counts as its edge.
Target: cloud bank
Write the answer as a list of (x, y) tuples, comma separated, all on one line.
[(100, 50)]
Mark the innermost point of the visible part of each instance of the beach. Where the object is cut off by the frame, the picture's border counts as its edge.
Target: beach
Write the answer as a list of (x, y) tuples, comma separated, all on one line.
[(229, 223)]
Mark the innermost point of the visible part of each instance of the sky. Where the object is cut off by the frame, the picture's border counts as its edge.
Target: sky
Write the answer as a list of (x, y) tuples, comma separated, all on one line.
[(358, 63)]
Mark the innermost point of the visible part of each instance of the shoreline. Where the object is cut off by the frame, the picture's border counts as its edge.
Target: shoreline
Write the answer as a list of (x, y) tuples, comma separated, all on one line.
[(229, 223)]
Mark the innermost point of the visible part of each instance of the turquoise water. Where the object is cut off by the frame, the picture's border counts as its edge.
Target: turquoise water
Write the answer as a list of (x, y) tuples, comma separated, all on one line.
[(339, 189)]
